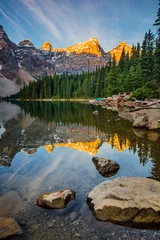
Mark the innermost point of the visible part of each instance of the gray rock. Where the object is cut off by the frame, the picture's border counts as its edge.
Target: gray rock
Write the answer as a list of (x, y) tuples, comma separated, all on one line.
[(105, 167), (130, 201), (153, 124), (140, 122), (9, 228), (58, 199)]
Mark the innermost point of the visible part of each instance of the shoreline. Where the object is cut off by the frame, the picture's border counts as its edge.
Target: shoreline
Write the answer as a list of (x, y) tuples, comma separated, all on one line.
[(141, 118), (49, 100)]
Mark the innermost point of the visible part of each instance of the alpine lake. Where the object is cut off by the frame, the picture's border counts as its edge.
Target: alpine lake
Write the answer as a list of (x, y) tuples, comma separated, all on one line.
[(48, 146)]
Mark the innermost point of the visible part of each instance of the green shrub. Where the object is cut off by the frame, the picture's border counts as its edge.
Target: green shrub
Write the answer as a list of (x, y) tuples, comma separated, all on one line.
[(149, 90)]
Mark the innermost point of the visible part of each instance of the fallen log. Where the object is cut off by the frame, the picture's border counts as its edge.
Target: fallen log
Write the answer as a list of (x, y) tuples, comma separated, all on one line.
[(158, 101)]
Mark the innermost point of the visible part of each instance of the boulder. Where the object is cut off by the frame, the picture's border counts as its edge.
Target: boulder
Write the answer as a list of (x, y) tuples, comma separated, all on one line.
[(105, 167), (9, 228), (10, 204), (129, 201), (153, 124), (57, 200), (140, 122)]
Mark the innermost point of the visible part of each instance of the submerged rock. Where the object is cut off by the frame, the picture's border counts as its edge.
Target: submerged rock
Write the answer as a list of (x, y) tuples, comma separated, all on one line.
[(105, 167), (129, 201), (58, 199), (9, 228), (10, 204)]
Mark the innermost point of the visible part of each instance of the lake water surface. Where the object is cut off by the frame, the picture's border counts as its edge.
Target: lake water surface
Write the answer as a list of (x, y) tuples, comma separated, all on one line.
[(47, 146)]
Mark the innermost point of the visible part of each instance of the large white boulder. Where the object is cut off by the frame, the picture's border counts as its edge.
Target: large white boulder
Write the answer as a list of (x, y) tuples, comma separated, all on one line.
[(125, 200)]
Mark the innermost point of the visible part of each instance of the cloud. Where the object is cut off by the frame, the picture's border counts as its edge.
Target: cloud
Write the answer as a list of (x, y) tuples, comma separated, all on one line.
[(69, 23), (8, 18), (15, 24), (66, 22), (38, 13)]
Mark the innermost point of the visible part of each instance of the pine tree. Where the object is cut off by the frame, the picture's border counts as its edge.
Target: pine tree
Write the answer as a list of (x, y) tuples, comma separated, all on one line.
[(122, 61), (157, 50)]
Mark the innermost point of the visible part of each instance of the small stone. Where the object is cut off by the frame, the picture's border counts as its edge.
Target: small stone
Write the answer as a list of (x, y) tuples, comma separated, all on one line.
[(51, 224), (105, 167), (9, 228), (73, 216), (57, 200), (77, 235)]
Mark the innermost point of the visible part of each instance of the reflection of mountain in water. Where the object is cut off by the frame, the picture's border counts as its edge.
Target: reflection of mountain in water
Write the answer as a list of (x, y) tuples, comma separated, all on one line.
[(89, 147), (74, 125)]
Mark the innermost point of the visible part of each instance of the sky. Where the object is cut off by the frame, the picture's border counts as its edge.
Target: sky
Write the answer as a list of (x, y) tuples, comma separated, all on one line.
[(66, 22)]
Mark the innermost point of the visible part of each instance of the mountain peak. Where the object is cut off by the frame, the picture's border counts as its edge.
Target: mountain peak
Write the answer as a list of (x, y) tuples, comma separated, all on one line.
[(1, 28), (46, 46), (4, 40), (25, 43), (91, 46), (117, 51)]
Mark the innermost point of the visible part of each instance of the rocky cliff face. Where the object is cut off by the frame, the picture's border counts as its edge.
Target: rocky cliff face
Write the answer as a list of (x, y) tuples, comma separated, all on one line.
[(8, 64), (25, 43), (46, 46), (19, 64), (33, 60), (117, 51), (91, 46), (84, 56)]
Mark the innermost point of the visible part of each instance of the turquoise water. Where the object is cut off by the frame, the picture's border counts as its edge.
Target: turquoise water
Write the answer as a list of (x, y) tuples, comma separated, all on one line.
[(49, 146)]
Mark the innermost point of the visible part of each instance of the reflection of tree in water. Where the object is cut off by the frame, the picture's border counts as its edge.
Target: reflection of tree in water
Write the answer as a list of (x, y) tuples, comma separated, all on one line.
[(106, 121)]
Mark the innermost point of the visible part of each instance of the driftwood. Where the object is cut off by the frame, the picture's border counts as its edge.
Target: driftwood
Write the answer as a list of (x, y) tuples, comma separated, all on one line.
[(158, 101), (142, 108), (148, 106)]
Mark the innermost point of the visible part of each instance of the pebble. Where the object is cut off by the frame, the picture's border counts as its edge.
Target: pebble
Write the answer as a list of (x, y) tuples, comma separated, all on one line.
[(77, 235), (73, 216)]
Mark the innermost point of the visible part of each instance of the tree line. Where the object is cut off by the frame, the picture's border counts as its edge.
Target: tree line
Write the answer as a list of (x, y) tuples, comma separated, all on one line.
[(138, 73)]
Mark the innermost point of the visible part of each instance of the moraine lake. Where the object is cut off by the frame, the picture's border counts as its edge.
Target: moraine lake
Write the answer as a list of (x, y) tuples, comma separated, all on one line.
[(48, 146)]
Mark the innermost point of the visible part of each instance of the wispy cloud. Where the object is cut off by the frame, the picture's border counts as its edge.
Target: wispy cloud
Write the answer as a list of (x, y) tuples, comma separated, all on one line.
[(70, 23), (14, 22), (40, 16), (65, 22), (8, 18)]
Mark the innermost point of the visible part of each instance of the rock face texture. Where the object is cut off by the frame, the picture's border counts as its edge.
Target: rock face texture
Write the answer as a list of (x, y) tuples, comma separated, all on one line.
[(32, 60), (84, 56), (57, 200), (10, 81), (140, 122), (105, 167), (130, 201), (46, 46), (91, 46), (117, 51), (25, 43), (9, 228), (9, 67)]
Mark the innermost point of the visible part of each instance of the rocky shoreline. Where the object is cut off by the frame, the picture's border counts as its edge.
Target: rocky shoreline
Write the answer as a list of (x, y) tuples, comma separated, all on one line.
[(143, 114)]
